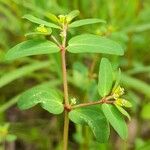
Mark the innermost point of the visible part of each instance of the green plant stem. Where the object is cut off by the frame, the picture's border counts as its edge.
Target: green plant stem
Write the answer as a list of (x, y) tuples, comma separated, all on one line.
[(66, 100), (64, 71), (55, 40), (104, 100)]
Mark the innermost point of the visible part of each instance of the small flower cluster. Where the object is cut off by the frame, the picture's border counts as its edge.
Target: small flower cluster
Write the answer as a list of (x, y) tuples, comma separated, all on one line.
[(42, 29), (73, 101), (118, 92)]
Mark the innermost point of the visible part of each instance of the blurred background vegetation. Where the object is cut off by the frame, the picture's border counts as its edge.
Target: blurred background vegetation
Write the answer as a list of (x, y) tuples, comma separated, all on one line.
[(128, 22)]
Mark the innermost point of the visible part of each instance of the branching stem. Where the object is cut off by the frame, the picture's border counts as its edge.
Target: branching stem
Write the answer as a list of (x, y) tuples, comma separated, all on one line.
[(103, 100)]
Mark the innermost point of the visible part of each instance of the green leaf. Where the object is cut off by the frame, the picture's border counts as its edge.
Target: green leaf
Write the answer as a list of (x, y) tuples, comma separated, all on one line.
[(123, 102), (126, 103), (118, 78), (40, 21), (14, 99), (48, 98), (105, 80), (52, 17), (72, 15), (123, 111), (89, 43), (116, 120), (83, 22), (31, 47), (94, 118)]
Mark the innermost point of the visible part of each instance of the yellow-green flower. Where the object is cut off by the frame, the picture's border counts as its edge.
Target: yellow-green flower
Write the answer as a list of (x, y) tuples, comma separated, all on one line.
[(119, 91), (73, 101), (42, 29), (122, 102)]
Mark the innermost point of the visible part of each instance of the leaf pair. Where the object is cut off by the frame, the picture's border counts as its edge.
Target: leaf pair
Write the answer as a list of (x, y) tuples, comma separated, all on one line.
[(97, 117), (111, 112), (63, 18), (86, 43)]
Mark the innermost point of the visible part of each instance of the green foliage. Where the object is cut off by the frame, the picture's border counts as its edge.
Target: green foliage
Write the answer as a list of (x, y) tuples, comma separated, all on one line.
[(88, 43), (40, 21), (105, 77), (123, 111), (94, 118), (52, 17), (72, 15), (31, 47), (83, 22), (116, 120), (48, 98)]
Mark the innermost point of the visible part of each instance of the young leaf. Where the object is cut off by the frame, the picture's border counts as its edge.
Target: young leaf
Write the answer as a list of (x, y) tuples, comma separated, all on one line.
[(83, 22), (89, 43), (48, 98), (40, 21), (118, 78), (94, 118), (52, 17), (105, 79), (72, 15), (123, 111), (31, 47), (126, 103), (116, 120)]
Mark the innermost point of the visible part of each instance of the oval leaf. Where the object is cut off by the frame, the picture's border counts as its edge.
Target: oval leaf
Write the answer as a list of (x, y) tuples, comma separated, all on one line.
[(31, 47), (89, 43), (123, 111), (83, 22), (105, 79), (72, 15), (94, 118), (52, 17), (116, 120), (49, 99), (40, 21)]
